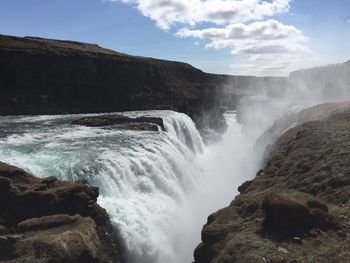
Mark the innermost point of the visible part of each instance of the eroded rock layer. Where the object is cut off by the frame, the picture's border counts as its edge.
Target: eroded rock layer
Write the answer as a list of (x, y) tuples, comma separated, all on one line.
[(296, 209), (47, 220)]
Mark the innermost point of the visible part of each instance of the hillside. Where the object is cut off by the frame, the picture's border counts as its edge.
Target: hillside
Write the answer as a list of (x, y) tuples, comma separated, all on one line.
[(45, 76), (297, 207)]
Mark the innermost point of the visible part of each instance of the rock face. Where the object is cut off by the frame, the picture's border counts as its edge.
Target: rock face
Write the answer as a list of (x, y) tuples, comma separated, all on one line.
[(45, 76), (123, 122), (46, 220), (296, 209)]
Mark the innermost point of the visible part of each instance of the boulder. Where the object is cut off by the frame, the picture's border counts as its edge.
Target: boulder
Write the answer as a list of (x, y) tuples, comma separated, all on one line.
[(294, 213), (47, 220)]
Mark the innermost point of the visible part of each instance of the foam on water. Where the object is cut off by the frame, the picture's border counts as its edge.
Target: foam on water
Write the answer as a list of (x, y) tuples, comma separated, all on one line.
[(145, 178), (158, 187)]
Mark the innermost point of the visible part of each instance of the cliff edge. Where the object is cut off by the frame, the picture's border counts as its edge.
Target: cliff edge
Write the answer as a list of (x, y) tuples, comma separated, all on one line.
[(47, 220), (46, 76), (296, 209)]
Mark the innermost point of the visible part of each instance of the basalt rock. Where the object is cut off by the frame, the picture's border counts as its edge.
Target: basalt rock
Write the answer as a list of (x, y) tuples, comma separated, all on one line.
[(47, 220), (46, 76), (123, 122)]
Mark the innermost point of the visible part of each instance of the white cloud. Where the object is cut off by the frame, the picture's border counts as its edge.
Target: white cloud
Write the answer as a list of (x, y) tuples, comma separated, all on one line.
[(166, 13), (272, 47), (265, 30), (239, 25), (258, 38)]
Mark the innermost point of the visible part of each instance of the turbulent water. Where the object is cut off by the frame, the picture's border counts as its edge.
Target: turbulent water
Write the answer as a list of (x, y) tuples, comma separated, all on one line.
[(158, 187)]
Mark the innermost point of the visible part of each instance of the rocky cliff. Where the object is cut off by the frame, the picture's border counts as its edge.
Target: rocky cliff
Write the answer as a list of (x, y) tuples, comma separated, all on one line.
[(44, 76), (46, 220), (297, 208)]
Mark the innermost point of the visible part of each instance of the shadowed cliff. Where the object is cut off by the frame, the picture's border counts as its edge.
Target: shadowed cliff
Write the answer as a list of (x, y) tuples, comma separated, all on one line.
[(44, 76)]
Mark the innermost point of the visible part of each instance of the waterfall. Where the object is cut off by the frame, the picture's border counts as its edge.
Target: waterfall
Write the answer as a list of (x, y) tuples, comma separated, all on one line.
[(157, 186), (145, 178)]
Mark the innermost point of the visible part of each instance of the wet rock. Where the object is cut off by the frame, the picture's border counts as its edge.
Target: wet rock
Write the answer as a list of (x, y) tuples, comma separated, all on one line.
[(315, 232), (297, 240), (201, 253), (47, 220), (123, 122), (242, 188)]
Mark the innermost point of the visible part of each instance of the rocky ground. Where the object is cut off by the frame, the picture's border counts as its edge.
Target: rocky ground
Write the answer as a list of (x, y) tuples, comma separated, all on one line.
[(47, 220), (297, 208)]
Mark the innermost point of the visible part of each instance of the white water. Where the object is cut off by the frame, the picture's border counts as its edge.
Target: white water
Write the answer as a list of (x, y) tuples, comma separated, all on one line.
[(158, 187)]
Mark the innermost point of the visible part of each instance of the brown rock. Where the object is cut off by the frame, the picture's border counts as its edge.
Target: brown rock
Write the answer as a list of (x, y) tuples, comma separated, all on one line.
[(295, 212), (46, 222), (304, 191), (60, 221)]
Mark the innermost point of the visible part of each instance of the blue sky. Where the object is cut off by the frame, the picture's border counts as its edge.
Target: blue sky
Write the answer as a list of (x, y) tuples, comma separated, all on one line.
[(264, 37)]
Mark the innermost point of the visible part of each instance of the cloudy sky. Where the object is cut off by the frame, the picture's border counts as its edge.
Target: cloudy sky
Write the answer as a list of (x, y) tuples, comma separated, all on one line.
[(242, 37)]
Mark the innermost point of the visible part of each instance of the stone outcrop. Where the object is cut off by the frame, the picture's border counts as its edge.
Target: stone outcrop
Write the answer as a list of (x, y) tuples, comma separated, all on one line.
[(47, 220), (123, 122), (297, 208)]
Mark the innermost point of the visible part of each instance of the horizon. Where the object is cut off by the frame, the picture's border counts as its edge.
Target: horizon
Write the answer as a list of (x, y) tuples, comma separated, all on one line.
[(243, 38)]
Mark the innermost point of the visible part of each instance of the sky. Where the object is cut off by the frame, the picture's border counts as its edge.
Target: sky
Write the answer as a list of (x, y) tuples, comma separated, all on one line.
[(240, 37)]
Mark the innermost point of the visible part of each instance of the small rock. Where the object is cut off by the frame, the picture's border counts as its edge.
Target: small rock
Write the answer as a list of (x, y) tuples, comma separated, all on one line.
[(282, 250), (297, 240), (341, 234), (294, 261), (49, 180), (10, 238), (267, 260), (258, 220), (242, 189), (260, 173), (3, 230), (315, 232)]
